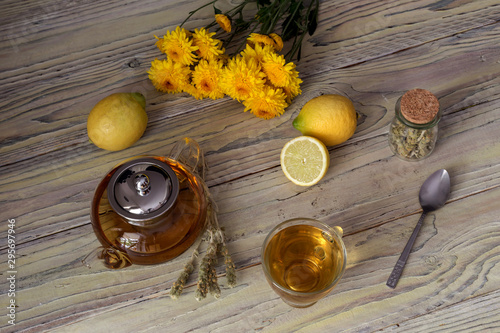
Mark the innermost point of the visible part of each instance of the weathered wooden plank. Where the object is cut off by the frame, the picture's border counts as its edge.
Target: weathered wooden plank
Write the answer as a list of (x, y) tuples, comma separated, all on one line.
[(381, 174), (271, 200), (445, 269), (238, 144), (368, 50), (102, 67), (356, 24), (74, 118), (479, 314)]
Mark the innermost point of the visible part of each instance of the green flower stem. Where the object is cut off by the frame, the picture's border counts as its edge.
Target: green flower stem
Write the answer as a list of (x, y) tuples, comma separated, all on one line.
[(278, 14), (285, 28), (297, 45), (243, 44), (299, 21), (194, 11), (231, 12)]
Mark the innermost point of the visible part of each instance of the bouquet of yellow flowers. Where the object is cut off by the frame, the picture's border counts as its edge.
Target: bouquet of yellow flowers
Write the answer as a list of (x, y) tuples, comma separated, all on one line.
[(258, 76)]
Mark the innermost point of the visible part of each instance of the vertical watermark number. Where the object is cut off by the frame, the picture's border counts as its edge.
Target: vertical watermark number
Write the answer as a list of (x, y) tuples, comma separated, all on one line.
[(11, 271)]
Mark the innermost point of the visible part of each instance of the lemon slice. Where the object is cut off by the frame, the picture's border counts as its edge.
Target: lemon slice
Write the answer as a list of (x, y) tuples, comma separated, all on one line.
[(305, 160)]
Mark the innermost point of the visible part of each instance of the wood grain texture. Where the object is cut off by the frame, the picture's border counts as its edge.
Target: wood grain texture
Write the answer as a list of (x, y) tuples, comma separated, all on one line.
[(463, 316), (444, 270), (59, 58)]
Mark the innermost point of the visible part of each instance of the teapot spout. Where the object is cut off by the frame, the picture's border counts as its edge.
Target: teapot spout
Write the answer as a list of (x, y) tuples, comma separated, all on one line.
[(114, 259)]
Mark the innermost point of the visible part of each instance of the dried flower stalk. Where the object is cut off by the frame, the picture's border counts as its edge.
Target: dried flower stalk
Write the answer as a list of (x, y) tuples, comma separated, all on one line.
[(178, 285), (207, 275), (230, 269)]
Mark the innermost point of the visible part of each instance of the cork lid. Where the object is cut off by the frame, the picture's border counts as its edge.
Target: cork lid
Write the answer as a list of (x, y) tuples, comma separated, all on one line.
[(419, 106)]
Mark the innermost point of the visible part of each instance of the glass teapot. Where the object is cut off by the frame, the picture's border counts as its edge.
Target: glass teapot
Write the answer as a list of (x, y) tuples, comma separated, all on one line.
[(150, 209)]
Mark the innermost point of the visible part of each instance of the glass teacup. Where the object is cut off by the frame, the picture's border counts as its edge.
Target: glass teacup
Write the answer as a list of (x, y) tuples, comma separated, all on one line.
[(303, 260)]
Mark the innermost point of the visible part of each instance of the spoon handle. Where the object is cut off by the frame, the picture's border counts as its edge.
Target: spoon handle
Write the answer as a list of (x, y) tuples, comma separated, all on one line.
[(398, 268)]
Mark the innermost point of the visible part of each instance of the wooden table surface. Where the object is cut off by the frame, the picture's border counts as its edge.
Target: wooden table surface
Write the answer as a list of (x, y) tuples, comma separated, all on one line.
[(58, 58)]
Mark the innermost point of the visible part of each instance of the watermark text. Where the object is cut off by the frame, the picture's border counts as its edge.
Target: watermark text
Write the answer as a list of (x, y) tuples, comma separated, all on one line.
[(11, 271)]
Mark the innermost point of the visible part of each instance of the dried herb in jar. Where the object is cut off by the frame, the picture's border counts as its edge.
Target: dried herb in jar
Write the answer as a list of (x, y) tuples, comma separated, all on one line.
[(413, 132)]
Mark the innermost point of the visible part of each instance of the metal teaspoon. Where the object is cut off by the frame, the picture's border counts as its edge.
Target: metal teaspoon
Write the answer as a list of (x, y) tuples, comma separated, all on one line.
[(433, 195)]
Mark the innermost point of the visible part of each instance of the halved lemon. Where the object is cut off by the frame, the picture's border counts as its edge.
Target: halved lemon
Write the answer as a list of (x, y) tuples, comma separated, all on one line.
[(305, 160)]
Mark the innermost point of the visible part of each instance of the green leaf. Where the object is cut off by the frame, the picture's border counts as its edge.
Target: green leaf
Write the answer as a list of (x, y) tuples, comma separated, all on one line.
[(263, 14), (290, 27), (240, 22), (300, 26), (217, 10), (313, 21)]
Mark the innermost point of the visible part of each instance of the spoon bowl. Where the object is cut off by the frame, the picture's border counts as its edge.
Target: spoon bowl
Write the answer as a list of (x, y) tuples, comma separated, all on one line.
[(433, 195), (435, 191)]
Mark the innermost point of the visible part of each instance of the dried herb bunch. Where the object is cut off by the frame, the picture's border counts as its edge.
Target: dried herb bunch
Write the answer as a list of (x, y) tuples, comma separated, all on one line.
[(207, 276), (296, 17), (411, 143)]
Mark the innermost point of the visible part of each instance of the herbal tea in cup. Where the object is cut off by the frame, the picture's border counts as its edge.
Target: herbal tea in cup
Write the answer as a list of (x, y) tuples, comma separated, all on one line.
[(303, 259)]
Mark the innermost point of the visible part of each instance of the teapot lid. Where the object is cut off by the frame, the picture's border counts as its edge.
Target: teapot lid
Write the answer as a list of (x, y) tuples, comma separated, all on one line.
[(143, 189)]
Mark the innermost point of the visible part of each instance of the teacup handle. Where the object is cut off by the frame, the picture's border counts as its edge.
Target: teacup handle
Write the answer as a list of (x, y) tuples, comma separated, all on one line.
[(188, 152), (338, 230)]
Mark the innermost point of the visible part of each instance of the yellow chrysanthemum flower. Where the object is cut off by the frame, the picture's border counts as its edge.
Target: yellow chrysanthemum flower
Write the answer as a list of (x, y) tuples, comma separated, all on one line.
[(256, 52), (208, 48), (241, 77), (292, 90), (278, 42), (223, 58), (273, 40), (206, 77), (159, 44), (266, 103), (178, 47), (169, 76), (191, 89), (278, 72), (260, 39), (223, 21)]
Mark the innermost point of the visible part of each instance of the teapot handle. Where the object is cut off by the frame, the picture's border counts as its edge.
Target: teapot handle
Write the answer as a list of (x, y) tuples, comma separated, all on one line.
[(188, 152)]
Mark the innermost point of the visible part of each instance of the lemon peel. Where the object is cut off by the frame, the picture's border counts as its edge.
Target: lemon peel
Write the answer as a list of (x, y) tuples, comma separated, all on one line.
[(330, 118), (117, 121)]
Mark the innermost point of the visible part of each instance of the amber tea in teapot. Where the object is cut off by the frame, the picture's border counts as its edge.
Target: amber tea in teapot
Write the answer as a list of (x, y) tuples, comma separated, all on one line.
[(150, 209)]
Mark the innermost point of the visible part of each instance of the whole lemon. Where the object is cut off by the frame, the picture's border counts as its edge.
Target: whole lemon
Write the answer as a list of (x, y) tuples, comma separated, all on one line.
[(329, 118), (117, 121)]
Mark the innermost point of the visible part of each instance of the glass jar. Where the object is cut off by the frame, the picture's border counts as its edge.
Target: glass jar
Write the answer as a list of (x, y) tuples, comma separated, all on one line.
[(413, 132)]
